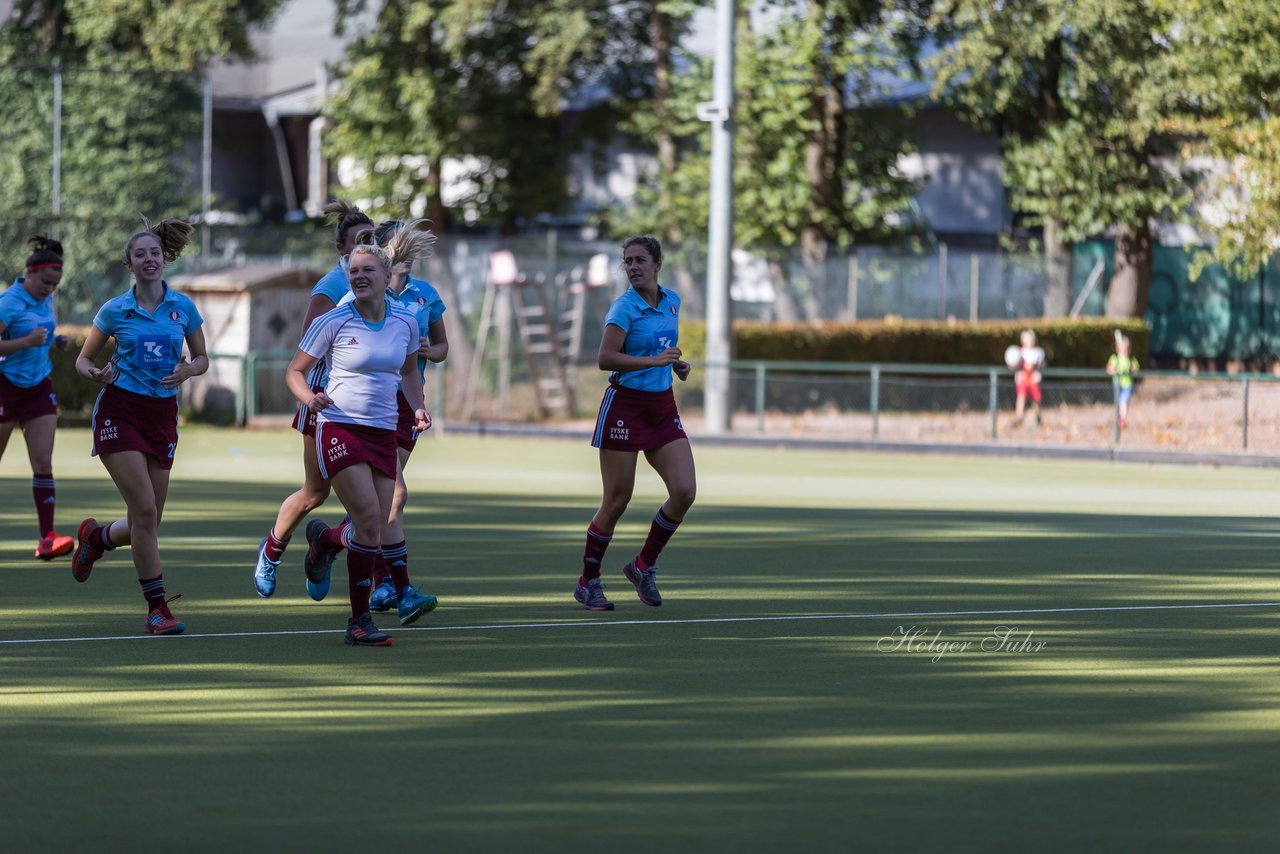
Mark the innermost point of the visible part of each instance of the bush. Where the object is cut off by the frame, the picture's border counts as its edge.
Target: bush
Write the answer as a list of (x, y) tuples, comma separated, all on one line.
[(1068, 343), (76, 395)]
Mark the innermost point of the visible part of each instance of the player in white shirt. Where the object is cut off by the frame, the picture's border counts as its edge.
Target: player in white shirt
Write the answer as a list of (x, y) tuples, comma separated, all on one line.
[(371, 347)]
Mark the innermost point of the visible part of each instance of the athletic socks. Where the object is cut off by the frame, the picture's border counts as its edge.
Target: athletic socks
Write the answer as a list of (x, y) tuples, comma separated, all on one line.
[(153, 591), (597, 543), (659, 534), (360, 559), (395, 560), (336, 539), (44, 494), (275, 546), (101, 537)]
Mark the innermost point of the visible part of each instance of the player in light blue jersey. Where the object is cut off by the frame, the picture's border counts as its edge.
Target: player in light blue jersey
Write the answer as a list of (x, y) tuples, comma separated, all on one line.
[(27, 399), (135, 418), (638, 414), (352, 228)]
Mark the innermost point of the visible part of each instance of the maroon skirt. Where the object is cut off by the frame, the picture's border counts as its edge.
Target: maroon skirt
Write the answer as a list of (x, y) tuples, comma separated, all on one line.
[(125, 421), (22, 404)]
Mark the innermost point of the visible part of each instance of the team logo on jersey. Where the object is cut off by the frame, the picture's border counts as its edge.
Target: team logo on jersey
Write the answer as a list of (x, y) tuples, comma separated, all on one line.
[(175, 315), (129, 315), (352, 342), (673, 311), (422, 300)]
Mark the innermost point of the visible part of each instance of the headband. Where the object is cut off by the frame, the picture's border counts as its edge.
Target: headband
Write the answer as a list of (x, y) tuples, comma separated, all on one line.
[(57, 264)]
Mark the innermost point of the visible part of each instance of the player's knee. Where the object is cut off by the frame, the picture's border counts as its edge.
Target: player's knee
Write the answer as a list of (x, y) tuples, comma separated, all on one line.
[(615, 505), (682, 497), (145, 518), (313, 498)]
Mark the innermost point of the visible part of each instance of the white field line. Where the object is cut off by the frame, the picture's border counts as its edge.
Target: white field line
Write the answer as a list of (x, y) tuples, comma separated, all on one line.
[(492, 627)]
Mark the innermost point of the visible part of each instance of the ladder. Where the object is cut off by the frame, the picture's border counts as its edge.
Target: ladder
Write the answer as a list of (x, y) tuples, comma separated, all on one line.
[(509, 293)]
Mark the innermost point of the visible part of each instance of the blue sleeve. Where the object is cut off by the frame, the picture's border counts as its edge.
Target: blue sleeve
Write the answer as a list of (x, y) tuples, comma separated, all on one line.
[(105, 319), (618, 316), (332, 286), (195, 321), (8, 310)]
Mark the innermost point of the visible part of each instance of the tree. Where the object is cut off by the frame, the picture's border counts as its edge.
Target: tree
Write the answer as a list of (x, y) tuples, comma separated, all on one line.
[(1227, 64), (478, 92), (816, 153), (1081, 89), (130, 113)]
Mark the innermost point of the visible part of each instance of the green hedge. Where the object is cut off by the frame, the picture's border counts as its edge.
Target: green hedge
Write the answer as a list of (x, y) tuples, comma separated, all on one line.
[(1078, 343), (75, 394)]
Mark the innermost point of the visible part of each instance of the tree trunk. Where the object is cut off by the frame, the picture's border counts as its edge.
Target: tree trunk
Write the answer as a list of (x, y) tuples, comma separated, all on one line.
[(660, 39), (1132, 279), (784, 304), (1057, 262), (821, 173)]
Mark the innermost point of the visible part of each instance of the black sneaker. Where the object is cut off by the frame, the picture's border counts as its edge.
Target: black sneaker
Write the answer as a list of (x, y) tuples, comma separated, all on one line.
[(362, 632), (591, 595), (646, 583), (317, 563)]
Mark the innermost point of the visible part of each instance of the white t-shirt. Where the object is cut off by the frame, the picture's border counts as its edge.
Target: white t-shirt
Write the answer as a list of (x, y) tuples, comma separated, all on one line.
[(364, 362)]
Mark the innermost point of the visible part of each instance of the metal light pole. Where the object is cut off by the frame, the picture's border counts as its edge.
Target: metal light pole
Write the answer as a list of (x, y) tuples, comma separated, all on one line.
[(720, 238)]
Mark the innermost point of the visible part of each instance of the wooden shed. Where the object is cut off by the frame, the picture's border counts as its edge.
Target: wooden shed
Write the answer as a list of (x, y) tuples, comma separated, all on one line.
[(252, 323)]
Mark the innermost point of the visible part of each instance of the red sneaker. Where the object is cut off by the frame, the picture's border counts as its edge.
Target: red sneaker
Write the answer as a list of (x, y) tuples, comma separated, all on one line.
[(54, 545), (160, 620), (86, 553)]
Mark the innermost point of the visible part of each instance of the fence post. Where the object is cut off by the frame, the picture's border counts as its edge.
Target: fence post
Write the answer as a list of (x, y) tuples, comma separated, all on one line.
[(973, 287), (994, 379), (249, 386), (240, 392), (760, 377), (1115, 415), (438, 421), (1244, 421), (875, 403), (942, 281)]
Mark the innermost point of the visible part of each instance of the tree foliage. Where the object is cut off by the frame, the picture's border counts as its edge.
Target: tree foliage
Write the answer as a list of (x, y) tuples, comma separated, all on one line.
[(1083, 89), (130, 118), (453, 109)]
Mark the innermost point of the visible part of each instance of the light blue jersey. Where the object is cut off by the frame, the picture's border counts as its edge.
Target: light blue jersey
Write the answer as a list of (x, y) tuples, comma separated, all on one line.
[(334, 285), (20, 313), (148, 344), (649, 331)]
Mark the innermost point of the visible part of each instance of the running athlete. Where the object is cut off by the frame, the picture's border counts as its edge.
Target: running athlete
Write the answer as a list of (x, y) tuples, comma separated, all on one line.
[(371, 345), (27, 324), (638, 414), (135, 418), (352, 227), (405, 242)]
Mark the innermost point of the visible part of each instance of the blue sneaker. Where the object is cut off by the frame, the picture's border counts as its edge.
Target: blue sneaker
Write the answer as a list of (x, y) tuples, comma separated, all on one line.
[(591, 595), (318, 562), (383, 597), (413, 605), (264, 574), (645, 581)]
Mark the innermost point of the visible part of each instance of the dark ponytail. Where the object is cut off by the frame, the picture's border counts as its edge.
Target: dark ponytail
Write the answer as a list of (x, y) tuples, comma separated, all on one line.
[(45, 252), (344, 215)]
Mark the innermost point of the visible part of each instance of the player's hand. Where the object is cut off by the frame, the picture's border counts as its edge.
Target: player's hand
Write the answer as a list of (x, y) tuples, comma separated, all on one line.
[(682, 369), (422, 420), (62, 342), (36, 336), (181, 373), (669, 356), (424, 348), (105, 375), (320, 401)]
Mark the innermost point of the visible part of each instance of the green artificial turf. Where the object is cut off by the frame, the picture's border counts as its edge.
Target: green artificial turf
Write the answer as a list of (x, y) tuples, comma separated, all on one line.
[(1111, 716)]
